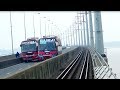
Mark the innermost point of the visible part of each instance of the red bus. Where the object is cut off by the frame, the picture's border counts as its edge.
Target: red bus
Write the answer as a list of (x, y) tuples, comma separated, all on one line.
[(48, 47), (29, 49)]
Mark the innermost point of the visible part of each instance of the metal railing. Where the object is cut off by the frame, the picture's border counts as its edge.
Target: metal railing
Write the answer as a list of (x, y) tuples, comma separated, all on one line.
[(100, 66)]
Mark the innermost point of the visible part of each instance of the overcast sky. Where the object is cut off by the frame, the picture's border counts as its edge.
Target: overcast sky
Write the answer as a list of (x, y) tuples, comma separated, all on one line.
[(110, 25)]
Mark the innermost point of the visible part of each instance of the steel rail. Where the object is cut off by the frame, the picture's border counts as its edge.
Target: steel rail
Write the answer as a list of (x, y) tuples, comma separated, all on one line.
[(68, 68), (83, 67)]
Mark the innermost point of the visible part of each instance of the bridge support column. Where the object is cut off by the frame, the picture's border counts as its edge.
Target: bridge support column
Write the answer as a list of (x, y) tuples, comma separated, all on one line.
[(91, 30), (87, 32), (78, 23), (98, 32), (84, 31)]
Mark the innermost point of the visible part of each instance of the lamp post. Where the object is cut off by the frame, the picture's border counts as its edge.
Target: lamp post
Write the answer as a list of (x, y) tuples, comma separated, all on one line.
[(71, 35), (51, 28), (78, 23), (33, 26), (48, 26), (45, 26), (40, 25), (63, 38), (55, 29), (76, 33), (24, 26), (11, 33)]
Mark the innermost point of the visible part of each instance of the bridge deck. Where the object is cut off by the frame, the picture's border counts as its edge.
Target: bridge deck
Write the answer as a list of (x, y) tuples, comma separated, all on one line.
[(19, 67), (6, 58)]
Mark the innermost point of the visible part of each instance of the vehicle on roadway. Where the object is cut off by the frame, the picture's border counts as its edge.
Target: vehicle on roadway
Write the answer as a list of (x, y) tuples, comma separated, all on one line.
[(48, 47), (29, 49)]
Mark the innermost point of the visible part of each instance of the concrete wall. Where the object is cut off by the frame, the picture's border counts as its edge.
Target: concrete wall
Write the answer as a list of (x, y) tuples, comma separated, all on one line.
[(8, 57), (8, 63), (46, 69), (9, 60)]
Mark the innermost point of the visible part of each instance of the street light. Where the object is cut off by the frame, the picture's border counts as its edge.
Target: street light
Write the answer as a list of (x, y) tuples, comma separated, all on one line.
[(45, 26), (70, 36), (78, 18), (51, 28), (33, 26), (76, 33), (48, 26), (81, 29), (24, 26), (56, 33), (11, 33), (40, 25)]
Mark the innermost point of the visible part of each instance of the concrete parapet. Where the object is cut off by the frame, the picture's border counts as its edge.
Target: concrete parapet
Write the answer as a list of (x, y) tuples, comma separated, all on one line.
[(7, 63), (45, 69), (6, 58)]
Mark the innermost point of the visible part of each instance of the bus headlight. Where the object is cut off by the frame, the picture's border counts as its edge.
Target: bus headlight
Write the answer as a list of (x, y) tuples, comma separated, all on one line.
[(54, 55), (39, 55)]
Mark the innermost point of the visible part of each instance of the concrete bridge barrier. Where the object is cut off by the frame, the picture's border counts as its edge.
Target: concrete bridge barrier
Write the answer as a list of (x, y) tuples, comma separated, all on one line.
[(6, 61), (46, 69), (8, 57)]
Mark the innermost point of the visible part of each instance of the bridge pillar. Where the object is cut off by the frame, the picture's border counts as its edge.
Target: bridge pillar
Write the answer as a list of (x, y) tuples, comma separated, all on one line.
[(84, 31), (91, 30), (98, 32), (87, 32)]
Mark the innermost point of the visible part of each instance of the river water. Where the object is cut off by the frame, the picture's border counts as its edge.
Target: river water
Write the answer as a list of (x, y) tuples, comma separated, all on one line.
[(113, 55)]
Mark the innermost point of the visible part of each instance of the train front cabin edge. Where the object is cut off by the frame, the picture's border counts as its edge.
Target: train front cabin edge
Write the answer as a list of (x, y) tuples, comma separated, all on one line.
[(35, 49)]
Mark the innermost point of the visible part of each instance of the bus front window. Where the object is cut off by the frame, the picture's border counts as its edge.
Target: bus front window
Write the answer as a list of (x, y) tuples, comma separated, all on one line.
[(28, 47), (49, 46)]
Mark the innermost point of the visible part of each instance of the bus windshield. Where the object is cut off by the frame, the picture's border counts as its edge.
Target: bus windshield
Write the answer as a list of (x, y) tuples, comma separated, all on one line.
[(28, 47), (48, 46)]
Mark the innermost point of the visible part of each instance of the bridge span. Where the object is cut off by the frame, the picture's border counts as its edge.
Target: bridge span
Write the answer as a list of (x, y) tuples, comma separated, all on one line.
[(83, 59), (73, 63)]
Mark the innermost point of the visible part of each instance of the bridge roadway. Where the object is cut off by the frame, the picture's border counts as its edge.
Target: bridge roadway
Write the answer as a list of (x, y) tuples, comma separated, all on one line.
[(19, 67), (6, 58)]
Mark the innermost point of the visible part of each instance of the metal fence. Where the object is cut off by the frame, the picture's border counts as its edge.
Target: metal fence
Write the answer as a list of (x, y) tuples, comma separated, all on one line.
[(101, 68)]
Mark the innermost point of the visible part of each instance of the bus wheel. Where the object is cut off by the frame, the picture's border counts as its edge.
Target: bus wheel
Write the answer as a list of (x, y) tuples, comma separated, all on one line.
[(38, 60), (26, 61)]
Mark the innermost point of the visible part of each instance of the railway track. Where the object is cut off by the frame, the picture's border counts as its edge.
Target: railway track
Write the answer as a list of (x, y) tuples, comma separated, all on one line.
[(78, 68)]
